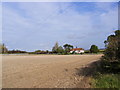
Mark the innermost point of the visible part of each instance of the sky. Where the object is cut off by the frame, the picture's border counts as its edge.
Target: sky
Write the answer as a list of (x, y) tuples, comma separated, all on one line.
[(34, 26)]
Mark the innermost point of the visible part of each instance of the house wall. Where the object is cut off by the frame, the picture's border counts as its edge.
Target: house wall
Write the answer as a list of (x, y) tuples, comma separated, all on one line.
[(82, 51), (78, 51)]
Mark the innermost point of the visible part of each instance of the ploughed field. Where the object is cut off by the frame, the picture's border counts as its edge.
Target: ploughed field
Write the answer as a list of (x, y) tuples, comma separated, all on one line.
[(43, 71)]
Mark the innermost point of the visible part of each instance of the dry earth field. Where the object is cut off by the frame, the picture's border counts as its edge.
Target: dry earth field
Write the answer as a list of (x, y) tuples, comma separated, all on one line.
[(43, 71)]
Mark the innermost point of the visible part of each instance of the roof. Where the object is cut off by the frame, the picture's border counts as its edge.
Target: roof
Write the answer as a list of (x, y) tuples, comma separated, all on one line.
[(74, 49)]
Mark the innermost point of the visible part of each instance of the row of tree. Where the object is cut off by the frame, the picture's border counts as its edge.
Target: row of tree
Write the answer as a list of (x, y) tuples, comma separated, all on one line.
[(15, 51), (67, 47), (60, 50), (55, 50)]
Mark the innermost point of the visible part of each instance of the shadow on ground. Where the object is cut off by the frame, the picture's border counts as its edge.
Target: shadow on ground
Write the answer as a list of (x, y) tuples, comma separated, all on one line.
[(87, 72)]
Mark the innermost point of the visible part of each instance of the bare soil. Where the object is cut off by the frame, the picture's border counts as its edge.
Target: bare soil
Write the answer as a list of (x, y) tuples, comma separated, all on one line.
[(44, 71)]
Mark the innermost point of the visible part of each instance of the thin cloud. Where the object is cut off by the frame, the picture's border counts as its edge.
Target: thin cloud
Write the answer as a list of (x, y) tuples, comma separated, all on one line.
[(60, 1), (39, 25)]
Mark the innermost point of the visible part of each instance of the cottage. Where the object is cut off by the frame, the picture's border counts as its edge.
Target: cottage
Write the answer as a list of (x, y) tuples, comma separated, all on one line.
[(77, 50)]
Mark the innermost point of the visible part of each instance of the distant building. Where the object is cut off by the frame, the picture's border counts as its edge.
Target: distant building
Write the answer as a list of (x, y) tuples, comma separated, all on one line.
[(3, 48), (77, 50)]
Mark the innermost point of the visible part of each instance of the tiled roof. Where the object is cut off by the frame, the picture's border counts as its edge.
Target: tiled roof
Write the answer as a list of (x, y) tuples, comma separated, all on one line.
[(74, 49)]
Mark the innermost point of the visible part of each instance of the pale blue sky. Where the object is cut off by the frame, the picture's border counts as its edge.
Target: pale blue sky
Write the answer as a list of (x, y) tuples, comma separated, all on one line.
[(36, 25)]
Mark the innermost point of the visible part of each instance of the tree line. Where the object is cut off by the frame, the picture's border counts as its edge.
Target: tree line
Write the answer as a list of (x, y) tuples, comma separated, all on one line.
[(61, 50), (65, 49)]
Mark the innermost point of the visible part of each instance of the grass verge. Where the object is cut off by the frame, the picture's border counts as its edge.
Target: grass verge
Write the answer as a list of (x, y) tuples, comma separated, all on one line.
[(96, 77), (106, 81)]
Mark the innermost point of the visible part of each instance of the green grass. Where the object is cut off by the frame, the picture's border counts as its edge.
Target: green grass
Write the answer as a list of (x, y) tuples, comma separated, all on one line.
[(107, 81)]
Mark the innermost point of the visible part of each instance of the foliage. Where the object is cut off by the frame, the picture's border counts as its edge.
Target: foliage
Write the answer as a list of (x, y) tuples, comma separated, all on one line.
[(16, 51), (3, 48), (39, 52), (87, 51), (60, 49), (101, 50), (107, 81), (112, 52), (94, 49), (111, 58), (67, 48), (109, 76), (57, 49)]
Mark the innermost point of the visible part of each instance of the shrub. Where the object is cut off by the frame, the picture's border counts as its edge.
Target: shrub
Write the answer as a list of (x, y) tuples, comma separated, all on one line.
[(111, 58), (94, 49)]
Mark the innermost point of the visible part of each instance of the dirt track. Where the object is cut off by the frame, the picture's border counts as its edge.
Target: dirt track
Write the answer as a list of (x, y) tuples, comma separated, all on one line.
[(43, 71)]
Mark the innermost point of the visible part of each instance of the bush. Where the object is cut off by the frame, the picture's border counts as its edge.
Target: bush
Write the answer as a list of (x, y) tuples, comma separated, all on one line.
[(94, 49), (111, 58)]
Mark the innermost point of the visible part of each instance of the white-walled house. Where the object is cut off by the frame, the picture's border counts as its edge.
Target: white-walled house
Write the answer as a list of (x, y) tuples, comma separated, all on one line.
[(77, 50)]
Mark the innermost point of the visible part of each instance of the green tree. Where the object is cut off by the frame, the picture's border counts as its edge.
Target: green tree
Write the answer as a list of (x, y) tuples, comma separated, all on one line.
[(55, 48), (60, 49), (67, 47), (111, 58), (112, 52), (94, 49), (3, 48), (38, 51), (47, 51)]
